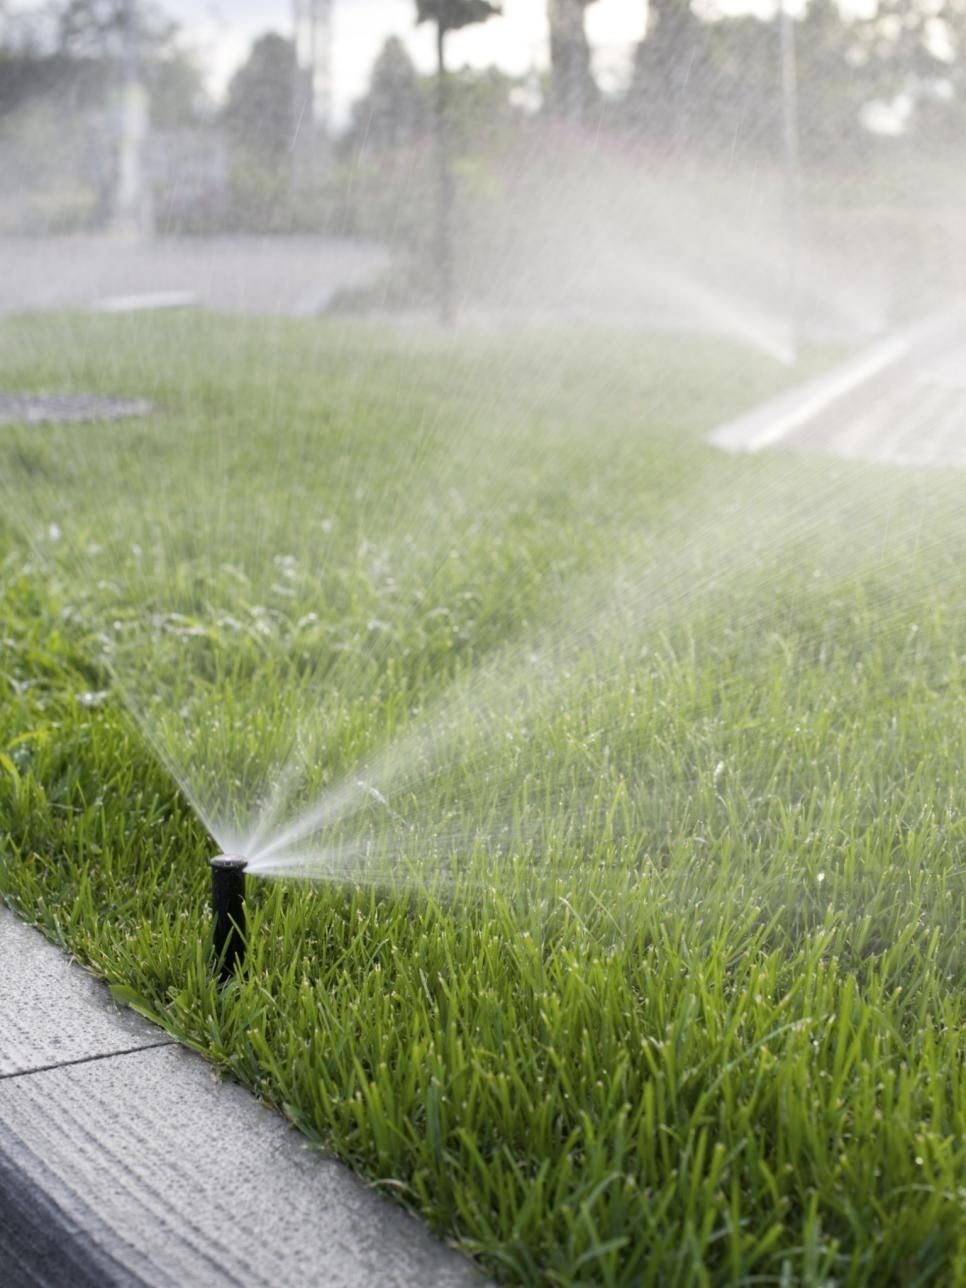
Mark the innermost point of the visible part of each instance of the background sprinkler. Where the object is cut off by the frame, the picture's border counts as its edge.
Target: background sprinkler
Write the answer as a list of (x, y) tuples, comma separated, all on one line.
[(228, 912)]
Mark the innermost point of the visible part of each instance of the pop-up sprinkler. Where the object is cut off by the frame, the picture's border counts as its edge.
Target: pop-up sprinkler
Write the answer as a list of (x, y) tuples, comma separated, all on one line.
[(228, 913)]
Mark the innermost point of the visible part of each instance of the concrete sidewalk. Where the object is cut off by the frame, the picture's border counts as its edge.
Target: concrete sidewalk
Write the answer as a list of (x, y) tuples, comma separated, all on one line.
[(902, 402), (291, 276), (123, 1160)]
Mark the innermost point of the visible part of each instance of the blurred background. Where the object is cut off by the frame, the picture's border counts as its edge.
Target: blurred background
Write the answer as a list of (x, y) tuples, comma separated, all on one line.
[(773, 172)]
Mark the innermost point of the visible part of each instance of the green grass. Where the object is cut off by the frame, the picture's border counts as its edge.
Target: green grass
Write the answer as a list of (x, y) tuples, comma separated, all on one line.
[(697, 1015)]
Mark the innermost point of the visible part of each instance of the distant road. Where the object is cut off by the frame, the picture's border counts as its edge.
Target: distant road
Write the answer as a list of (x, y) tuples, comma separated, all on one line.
[(289, 276), (903, 401)]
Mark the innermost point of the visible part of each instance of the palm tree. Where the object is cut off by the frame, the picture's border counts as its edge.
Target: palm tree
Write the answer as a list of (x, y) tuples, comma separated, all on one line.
[(448, 15)]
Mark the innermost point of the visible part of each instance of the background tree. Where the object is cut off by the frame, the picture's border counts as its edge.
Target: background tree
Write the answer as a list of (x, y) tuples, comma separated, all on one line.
[(573, 91), (23, 31), (78, 46), (394, 111), (707, 82), (70, 75), (448, 15), (259, 112), (98, 28), (831, 90), (670, 63), (259, 121), (912, 49), (179, 100)]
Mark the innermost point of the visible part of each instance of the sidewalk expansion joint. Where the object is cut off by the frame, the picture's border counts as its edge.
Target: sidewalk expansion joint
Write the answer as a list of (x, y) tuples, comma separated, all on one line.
[(85, 1059)]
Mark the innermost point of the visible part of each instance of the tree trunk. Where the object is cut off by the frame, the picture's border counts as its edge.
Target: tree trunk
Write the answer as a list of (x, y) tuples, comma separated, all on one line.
[(444, 189), (573, 91)]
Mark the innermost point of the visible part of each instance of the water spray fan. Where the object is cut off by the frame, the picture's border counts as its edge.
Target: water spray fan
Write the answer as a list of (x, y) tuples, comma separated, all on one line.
[(228, 913)]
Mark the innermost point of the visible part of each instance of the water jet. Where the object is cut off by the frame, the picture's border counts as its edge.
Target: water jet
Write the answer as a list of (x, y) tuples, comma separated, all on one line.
[(228, 913)]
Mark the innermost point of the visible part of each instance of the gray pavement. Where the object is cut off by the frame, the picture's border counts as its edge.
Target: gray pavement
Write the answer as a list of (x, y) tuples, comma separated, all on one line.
[(294, 276), (123, 1160), (901, 402), (63, 409)]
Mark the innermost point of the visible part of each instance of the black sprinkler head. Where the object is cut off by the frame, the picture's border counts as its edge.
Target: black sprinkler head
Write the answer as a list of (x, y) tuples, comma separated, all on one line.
[(228, 913)]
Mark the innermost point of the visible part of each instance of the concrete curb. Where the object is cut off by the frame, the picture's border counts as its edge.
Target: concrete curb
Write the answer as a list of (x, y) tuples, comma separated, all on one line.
[(852, 411), (124, 1161)]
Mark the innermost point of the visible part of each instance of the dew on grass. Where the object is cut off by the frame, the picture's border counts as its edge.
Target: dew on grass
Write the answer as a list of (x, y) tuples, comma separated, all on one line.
[(93, 699)]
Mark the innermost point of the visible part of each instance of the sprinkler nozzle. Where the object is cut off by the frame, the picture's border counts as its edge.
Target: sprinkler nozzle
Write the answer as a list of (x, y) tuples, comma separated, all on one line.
[(228, 913)]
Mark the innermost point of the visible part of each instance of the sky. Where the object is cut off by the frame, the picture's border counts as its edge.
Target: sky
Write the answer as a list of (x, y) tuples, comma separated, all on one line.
[(222, 32)]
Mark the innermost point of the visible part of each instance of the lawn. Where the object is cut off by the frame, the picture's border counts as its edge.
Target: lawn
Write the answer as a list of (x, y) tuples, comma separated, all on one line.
[(653, 972)]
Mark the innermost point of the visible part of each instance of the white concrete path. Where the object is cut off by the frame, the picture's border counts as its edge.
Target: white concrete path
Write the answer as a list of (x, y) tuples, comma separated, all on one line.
[(903, 402)]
